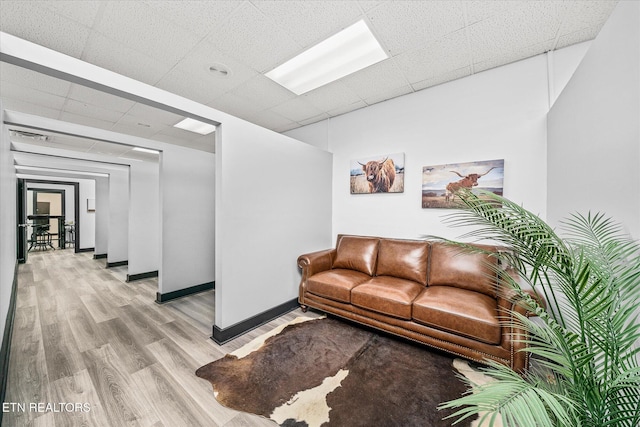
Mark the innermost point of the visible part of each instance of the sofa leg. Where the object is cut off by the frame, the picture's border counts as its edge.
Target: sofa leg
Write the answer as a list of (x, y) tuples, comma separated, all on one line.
[(303, 308)]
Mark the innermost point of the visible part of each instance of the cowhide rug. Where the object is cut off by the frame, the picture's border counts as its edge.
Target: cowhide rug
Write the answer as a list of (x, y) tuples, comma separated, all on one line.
[(327, 372)]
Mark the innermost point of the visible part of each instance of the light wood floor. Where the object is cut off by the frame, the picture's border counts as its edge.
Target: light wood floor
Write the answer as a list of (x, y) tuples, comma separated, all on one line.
[(84, 336)]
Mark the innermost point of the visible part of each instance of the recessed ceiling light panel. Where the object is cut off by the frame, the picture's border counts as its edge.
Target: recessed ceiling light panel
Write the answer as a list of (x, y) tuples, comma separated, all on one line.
[(145, 150), (344, 53), (196, 126)]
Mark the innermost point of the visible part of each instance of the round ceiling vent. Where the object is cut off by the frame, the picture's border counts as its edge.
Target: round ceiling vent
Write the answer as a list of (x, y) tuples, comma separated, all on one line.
[(219, 70)]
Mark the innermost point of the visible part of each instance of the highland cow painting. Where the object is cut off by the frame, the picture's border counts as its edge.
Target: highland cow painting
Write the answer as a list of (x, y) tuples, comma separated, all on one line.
[(440, 183), (379, 174)]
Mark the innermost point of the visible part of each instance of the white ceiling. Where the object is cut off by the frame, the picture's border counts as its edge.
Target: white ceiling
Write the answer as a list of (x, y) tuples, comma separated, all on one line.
[(172, 45)]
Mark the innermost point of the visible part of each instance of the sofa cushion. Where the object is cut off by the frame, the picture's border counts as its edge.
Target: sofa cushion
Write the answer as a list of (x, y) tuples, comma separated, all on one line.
[(451, 266), (460, 311), (387, 295), (335, 284), (405, 259), (357, 253)]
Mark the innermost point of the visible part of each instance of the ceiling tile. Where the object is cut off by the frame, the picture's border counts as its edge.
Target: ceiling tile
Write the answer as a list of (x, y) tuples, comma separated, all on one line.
[(346, 108), (236, 106), (314, 119), (141, 28), (84, 12), (578, 16), (296, 109), (30, 21), (443, 78), (577, 37), (120, 58), (29, 108), (331, 96), (254, 39), (198, 16), (89, 110), (102, 99), (185, 84), (27, 78), (271, 120), (13, 91), (205, 55), (437, 58), (376, 79), (129, 126), (109, 149), (263, 92), (151, 115), (388, 93), (510, 57), (479, 10), (368, 5), (404, 25), (309, 22), (86, 121), (517, 29)]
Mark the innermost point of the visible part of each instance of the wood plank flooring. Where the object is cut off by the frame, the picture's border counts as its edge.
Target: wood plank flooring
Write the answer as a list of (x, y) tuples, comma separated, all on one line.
[(83, 336)]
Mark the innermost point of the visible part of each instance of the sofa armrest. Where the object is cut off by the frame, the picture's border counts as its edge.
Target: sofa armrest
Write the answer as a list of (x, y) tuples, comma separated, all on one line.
[(512, 299), (316, 262)]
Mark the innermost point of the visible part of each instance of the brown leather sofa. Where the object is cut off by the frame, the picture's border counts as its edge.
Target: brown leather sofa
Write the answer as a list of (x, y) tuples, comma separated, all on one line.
[(425, 291)]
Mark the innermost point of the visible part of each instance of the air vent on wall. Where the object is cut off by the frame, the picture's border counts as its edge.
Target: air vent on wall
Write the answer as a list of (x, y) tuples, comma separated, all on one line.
[(30, 135)]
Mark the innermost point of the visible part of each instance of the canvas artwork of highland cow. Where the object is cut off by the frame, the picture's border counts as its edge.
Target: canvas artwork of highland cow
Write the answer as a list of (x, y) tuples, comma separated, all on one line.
[(379, 174)]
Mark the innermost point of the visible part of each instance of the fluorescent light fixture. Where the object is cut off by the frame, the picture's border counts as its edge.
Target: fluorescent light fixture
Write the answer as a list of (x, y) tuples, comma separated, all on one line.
[(145, 150), (65, 171), (344, 53), (196, 126)]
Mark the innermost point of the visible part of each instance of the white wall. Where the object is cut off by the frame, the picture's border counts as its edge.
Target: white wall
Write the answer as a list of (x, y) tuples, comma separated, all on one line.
[(102, 216), (496, 114), (144, 217), (594, 128), (187, 197), (273, 204), (118, 243), (8, 223), (87, 219)]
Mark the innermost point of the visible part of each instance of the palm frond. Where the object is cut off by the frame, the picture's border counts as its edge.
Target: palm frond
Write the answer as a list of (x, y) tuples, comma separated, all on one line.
[(585, 342)]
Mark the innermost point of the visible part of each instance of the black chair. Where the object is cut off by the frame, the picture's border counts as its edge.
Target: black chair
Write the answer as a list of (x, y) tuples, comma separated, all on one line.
[(40, 236)]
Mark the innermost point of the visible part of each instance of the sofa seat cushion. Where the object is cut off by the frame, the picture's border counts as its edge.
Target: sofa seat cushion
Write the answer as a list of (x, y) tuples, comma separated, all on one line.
[(387, 295), (336, 284), (460, 311)]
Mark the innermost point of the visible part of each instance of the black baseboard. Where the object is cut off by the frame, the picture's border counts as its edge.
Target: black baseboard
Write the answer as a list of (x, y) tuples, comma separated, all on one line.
[(99, 256), (140, 276), (221, 336), (117, 264), (87, 250), (160, 298), (5, 349)]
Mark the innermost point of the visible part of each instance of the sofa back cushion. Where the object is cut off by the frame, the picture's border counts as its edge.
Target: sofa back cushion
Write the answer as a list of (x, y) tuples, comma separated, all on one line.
[(357, 253), (451, 266), (405, 259)]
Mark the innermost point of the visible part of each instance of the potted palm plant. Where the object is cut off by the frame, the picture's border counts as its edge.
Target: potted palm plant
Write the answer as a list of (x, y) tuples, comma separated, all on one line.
[(585, 343)]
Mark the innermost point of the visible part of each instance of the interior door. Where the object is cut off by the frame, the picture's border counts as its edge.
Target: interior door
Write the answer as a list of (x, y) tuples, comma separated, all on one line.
[(21, 216)]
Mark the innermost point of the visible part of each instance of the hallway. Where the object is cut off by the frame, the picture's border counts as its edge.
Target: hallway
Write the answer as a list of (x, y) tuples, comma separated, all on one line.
[(83, 336)]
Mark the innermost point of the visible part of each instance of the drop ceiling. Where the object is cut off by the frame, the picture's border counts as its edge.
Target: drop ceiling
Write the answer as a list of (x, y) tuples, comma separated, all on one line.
[(182, 47)]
